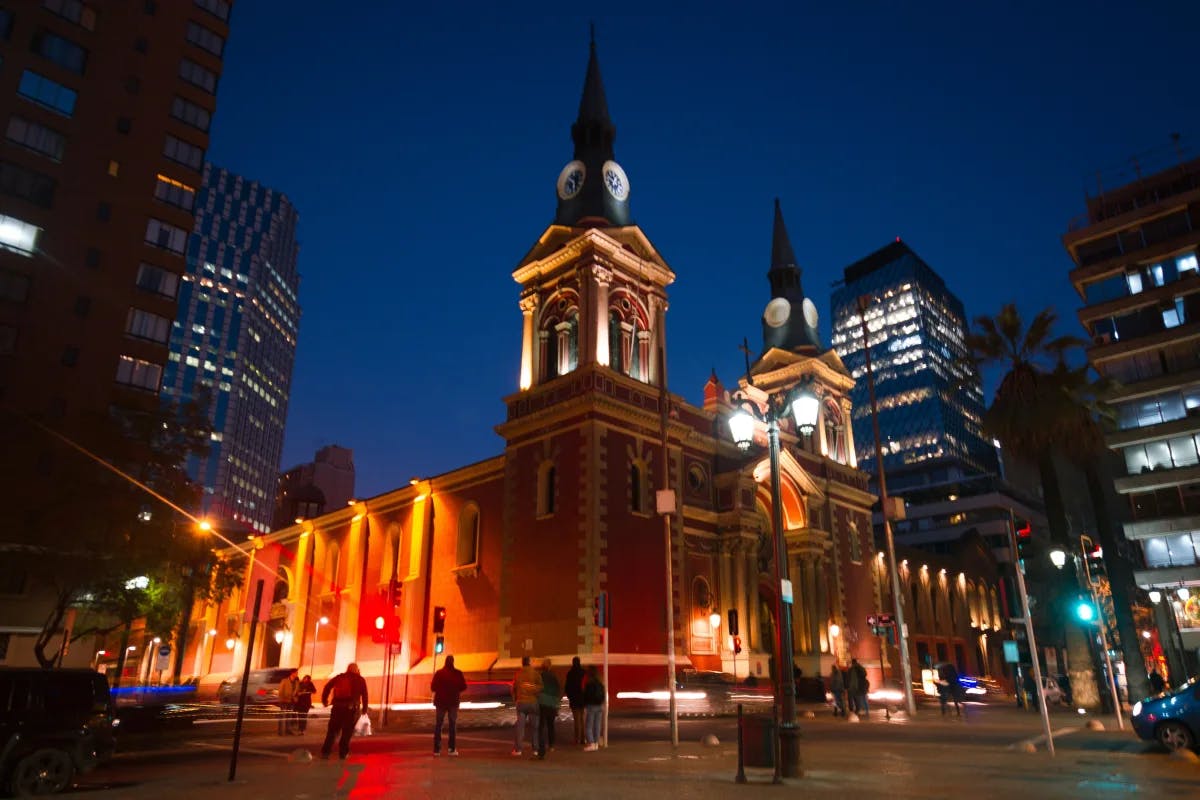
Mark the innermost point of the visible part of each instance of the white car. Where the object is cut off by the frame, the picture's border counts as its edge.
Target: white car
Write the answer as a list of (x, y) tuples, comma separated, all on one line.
[(1053, 692)]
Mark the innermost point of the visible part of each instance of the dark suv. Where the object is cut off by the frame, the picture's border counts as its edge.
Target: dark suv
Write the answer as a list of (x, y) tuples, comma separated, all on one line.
[(53, 724)]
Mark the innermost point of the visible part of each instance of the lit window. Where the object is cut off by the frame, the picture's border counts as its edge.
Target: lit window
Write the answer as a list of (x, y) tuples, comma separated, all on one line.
[(1186, 263), (1173, 316), (1135, 282), (18, 236), (138, 373), (43, 91), (114, 168), (175, 193), (1156, 272)]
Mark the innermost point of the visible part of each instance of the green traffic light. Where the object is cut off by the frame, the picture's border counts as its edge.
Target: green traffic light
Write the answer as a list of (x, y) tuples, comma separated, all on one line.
[(1085, 611)]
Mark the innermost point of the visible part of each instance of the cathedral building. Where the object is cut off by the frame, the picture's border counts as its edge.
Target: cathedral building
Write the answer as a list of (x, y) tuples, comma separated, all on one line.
[(518, 549)]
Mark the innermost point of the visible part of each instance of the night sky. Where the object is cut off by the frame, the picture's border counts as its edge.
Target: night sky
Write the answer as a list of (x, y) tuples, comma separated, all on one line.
[(422, 151)]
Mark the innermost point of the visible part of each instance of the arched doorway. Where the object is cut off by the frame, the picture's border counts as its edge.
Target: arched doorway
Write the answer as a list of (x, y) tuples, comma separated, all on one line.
[(276, 629)]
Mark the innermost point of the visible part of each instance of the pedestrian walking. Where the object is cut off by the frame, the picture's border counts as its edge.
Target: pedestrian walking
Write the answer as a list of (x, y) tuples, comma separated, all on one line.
[(837, 687), (548, 701), (286, 694), (447, 687), (1157, 684), (947, 687), (859, 686), (574, 689), (527, 684), (303, 702), (593, 700), (348, 693)]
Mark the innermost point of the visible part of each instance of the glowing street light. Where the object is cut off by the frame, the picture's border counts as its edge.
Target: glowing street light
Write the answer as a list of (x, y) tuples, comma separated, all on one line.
[(714, 619), (1155, 596), (1058, 557)]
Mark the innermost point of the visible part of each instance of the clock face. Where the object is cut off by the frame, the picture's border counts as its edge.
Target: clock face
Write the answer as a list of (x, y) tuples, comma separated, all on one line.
[(777, 312), (615, 180), (570, 180), (810, 313)]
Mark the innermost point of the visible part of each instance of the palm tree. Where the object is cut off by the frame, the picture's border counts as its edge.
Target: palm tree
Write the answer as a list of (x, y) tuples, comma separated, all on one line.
[(1034, 417)]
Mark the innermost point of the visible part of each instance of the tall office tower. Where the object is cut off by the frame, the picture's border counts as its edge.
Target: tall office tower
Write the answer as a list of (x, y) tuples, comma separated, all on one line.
[(930, 402), (105, 109), (234, 340), (1135, 254)]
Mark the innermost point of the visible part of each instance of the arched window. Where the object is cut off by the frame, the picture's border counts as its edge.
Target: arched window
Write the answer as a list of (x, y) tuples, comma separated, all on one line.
[(468, 536), (835, 433), (639, 491), (280, 594), (995, 610), (558, 336), (391, 555), (855, 544), (628, 335), (547, 489), (333, 559)]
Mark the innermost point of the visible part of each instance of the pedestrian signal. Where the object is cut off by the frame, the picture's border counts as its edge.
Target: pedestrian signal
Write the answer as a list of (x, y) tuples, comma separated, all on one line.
[(600, 610), (733, 622), (737, 645), (439, 645)]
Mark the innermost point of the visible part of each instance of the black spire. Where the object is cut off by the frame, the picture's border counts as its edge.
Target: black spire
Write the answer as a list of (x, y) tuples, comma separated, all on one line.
[(787, 322), (590, 199)]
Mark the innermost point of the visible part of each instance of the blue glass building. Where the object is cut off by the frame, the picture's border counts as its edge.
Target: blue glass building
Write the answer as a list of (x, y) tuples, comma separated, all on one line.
[(235, 339), (930, 401)]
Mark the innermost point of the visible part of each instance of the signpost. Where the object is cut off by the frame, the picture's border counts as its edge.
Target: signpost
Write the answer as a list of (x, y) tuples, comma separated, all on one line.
[(241, 715), (881, 625)]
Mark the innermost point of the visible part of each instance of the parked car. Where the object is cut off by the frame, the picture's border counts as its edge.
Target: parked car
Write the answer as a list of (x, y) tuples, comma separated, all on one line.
[(1172, 718), (54, 723), (1053, 692), (262, 688)]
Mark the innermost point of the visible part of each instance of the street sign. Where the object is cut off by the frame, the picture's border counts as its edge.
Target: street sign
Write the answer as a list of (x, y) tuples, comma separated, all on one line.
[(164, 658), (1011, 656)]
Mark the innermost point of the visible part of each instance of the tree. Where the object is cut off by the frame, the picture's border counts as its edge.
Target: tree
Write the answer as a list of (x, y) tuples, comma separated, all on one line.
[(1034, 416), (103, 507)]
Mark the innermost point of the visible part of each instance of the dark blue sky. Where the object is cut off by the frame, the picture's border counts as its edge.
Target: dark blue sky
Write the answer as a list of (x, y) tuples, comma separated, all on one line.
[(422, 151)]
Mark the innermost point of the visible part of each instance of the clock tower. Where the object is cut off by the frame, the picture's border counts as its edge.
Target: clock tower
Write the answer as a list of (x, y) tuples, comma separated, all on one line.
[(588, 437)]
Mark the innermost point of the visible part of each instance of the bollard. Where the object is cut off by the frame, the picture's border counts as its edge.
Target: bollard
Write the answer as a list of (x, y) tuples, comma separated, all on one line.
[(741, 773)]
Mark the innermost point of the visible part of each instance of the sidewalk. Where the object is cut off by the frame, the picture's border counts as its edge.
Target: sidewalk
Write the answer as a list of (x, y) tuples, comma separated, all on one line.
[(839, 762)]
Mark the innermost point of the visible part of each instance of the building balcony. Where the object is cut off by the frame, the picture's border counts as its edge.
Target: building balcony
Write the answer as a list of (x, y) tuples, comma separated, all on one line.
[(1131, 390), (1151, 433), (1164, 526), (1167, 577), (1157, 479), (1105, 350)]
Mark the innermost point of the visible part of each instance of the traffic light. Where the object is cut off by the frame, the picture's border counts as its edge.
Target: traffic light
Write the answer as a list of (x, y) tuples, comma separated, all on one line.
[(439, 645), (737, 642), (601, 613), (1093, 561), (1085, 611), (1024, 535), (733, 622), (439, 619), (395, 588)]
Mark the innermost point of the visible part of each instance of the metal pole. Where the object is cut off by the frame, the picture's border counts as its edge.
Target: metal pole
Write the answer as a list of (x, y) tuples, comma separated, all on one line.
[(663, 400), (1033, 651), (1112, 676), (604, 711), (897, 595), (237, 728), (789, 736), (887, 711)]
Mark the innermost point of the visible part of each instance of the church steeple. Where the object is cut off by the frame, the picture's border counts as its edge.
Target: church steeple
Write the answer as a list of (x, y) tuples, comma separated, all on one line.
[(593, 189), (790, 319)]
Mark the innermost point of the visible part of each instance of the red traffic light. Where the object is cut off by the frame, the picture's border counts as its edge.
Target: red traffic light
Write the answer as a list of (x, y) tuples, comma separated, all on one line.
[(737, 645), (439, 619)]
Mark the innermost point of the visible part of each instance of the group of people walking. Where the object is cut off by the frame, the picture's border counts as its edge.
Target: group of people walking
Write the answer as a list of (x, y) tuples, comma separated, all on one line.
[(346, 691), (538, 695), (849, 688)]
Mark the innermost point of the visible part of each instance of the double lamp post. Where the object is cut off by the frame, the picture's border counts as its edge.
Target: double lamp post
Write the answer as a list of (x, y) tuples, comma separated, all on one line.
[(801, 402)]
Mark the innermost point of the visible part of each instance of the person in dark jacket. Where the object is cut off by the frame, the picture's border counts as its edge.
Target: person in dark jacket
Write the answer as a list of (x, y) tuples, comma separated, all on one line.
[(448, 686), (348, 693), (858, 686), (303, 701), (1157, 684), (948, 686), (594, 695), (548, 701), (574, 690), (837, 687)]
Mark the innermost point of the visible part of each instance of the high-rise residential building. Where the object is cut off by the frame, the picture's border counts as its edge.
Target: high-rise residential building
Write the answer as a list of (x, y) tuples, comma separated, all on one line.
[(1135, 254), (309, 490), (930, 402), (234, 340), (105, 109)]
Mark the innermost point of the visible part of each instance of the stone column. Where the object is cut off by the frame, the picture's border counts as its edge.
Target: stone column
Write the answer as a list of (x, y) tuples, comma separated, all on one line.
[(748, 562), (602, 278), (658, 339), (848, 424), (528, 304), (350, 594), (293, 639)]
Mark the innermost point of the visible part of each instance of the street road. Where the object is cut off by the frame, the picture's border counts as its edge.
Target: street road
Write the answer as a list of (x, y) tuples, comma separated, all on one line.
[(979, 756)]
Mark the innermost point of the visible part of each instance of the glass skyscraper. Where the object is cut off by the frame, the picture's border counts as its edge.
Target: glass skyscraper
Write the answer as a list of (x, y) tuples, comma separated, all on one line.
[(235, 340), (930, 401)]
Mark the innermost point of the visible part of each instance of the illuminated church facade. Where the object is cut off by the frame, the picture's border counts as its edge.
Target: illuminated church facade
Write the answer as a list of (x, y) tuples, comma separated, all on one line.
[(518, 548)]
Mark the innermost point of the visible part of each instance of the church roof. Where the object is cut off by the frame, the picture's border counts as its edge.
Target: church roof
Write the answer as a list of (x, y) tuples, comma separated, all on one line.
[(790, 319)]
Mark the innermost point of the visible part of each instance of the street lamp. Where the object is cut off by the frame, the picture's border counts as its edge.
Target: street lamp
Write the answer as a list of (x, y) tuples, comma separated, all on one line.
[(801, 402), (1155, 596), (316, 633), (714, 619)]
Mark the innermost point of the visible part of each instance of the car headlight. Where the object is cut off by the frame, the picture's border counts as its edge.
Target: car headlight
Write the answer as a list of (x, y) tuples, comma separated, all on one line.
[(1137, 708)]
